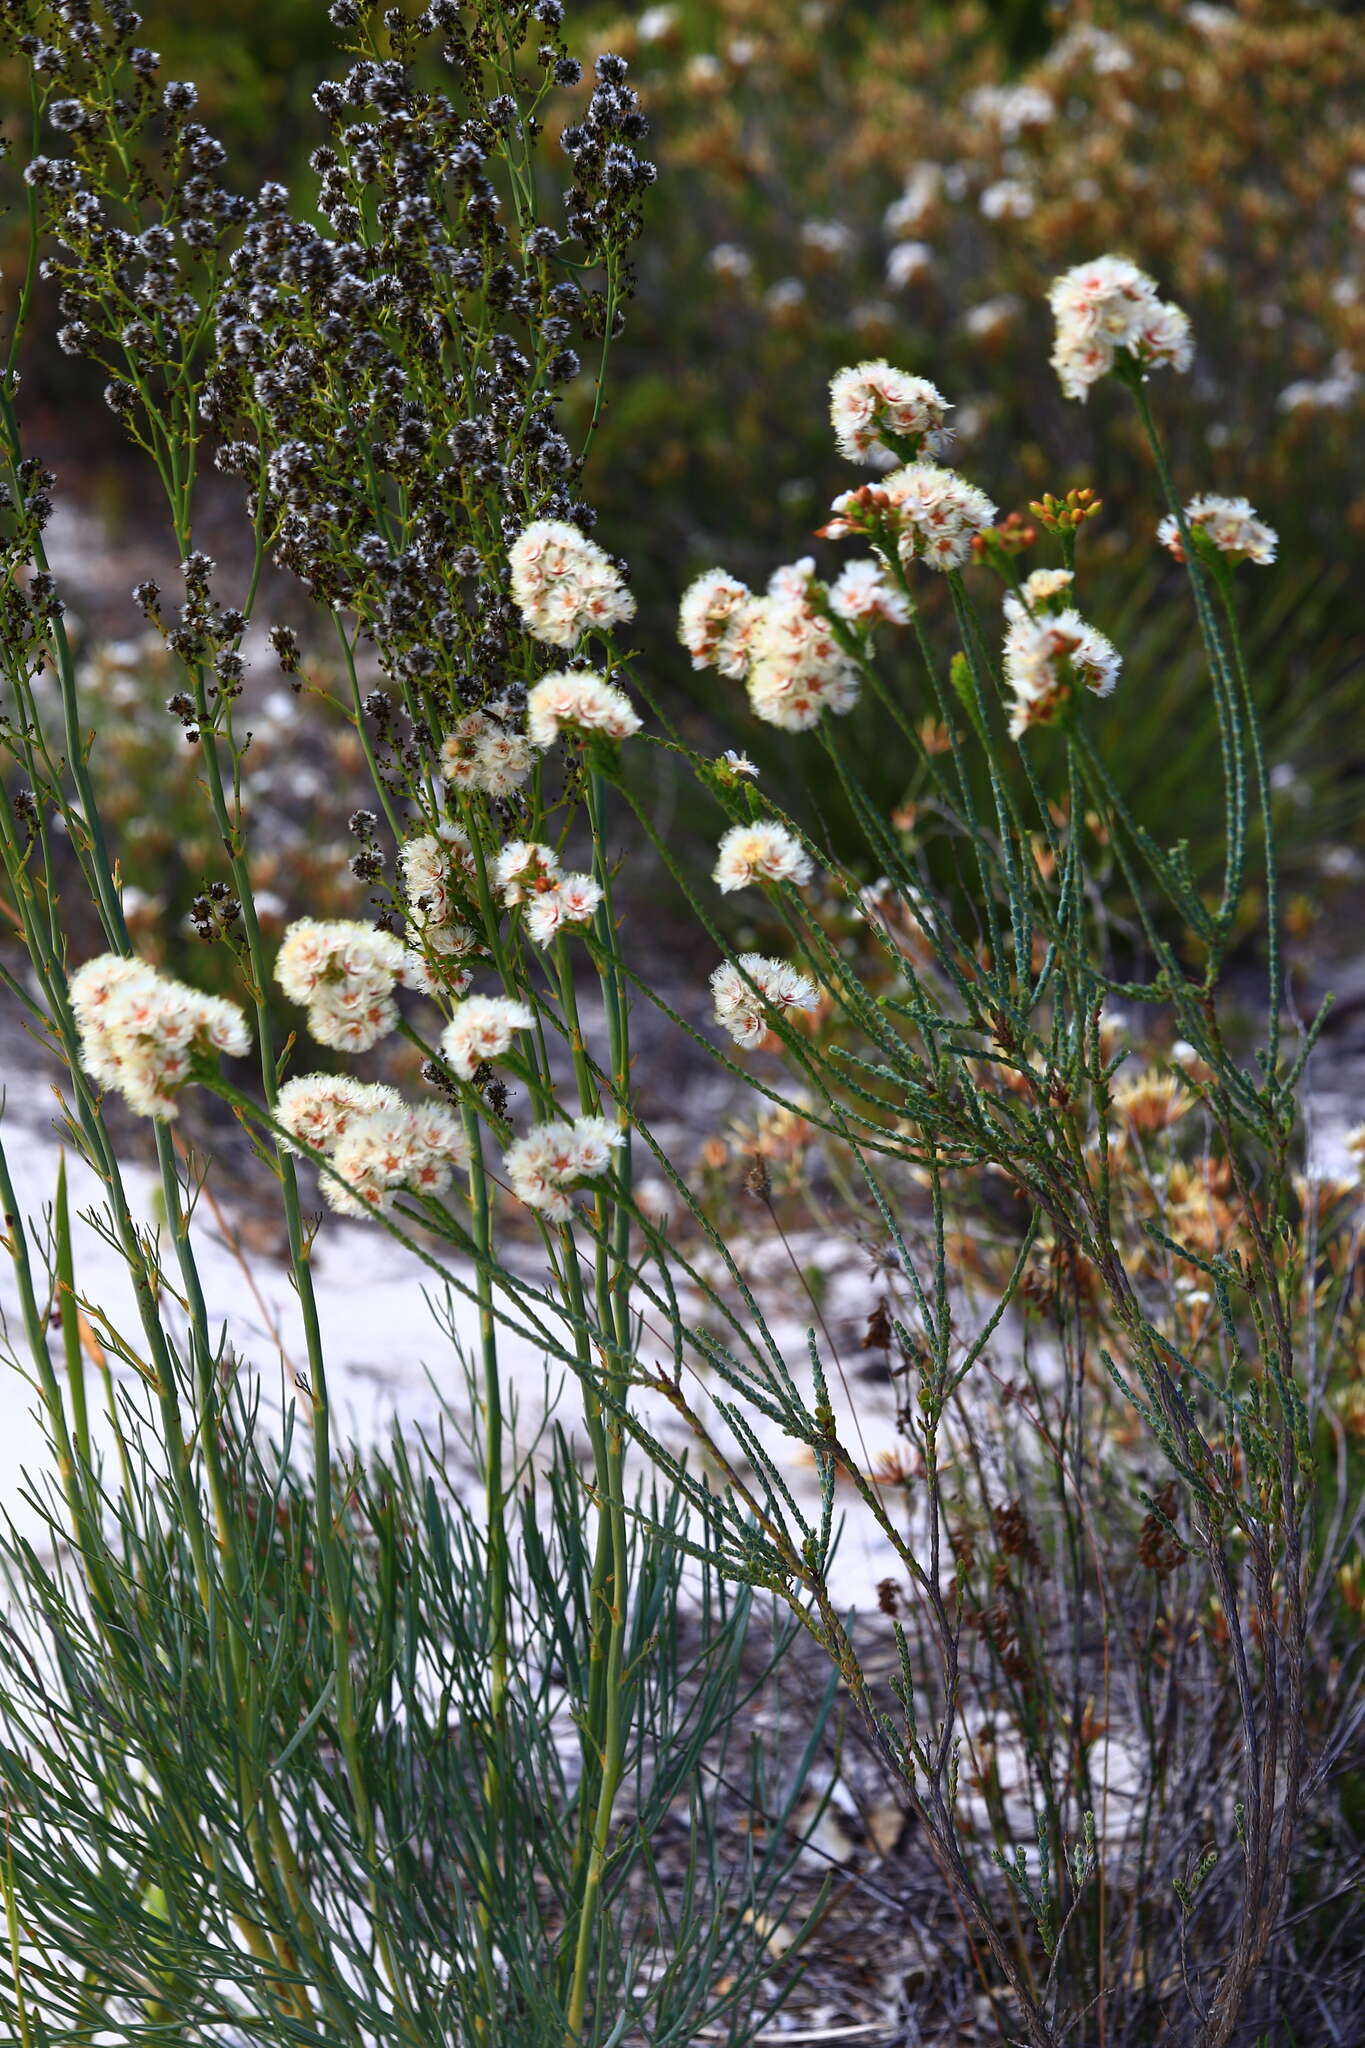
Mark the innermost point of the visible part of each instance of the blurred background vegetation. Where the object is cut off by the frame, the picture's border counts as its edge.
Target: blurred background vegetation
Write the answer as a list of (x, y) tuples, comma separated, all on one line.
[(852, 178)]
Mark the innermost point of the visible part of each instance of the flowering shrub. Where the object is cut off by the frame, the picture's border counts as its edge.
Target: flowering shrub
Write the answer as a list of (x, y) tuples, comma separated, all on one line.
[(951, 188), (1199, 144), (316, 1729)]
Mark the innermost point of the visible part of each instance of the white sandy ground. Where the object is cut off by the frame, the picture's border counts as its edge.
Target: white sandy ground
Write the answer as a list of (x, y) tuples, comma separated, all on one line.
[(392, 1360), (389, 1360)]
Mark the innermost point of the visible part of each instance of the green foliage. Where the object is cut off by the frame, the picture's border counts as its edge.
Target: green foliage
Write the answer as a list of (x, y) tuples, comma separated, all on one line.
[(309, 1747)]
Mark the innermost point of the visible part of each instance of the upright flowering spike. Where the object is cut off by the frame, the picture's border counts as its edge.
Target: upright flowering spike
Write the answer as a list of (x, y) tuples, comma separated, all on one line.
[(344, 974), (578, 702), (140, 1031), (1227, 524), (764, 852), (564, 585), (746, 1010), (1108, 307), (873, 398)]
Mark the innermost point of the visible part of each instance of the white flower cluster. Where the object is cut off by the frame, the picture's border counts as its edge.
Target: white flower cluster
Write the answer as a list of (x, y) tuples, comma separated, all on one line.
[(577, 701), (762, 852), (485, 753), (934, 513), (912, 213), (1008, 199), (864, 594), (1229, 524), (798, 669), (482, 1029), (1012, 108), (344, 974), (794, 666), (434, 869), (907, 263), (745, 992), (869, 399), (140, 1030), (1048, 652), (1037, 590), (716, 621), (377, 1143), (564, 585), (529, 874), (553, 1158), (1105, 54), (1110, 305)]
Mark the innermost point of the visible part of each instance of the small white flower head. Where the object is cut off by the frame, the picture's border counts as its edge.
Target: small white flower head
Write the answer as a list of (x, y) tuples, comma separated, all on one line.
[(572, 901), (737, 767), (434, 973), (871, 399), (991, 319), (1085, 43), (392, 1149), (798, 670), (1043, 590), (716, 620), (764, 852), (344, 974), (1012, 108), (483, 1028), (907, 263), (657, 24), (912, 212), (319, 1109), (791, 583), (864, 594), (1008, 199), (485, 754), (1046, 657), (731, 262), (525, 869), (937, 514), (1108, 306), (140, 1031), (829, 239), (578, 702), (746, 994), (564, 585), (1228, 524), (435, 870), (554, 1158)]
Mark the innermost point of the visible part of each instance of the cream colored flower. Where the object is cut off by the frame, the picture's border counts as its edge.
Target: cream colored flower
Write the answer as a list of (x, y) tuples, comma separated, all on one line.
[(564, 585), (763, 852), (140, 1031)]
